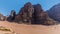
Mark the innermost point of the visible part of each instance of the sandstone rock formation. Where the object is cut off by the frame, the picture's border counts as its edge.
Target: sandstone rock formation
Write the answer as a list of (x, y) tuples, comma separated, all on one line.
[(39, 15), (11, 16), (2, 18), (31, 14), (25, 13)]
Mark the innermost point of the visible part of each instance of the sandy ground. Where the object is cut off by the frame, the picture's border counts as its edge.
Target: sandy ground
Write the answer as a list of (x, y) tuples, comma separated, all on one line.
[(31, 29)]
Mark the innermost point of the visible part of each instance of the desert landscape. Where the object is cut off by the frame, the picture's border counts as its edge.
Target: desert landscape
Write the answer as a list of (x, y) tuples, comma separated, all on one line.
[(29, 17), (30, 29)]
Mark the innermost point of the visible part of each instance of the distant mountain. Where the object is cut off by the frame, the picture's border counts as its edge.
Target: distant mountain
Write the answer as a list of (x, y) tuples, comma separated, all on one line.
[(54, 12)]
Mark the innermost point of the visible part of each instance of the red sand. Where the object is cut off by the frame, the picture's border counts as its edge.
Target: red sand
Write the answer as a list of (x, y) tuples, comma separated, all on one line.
[(31, 29)]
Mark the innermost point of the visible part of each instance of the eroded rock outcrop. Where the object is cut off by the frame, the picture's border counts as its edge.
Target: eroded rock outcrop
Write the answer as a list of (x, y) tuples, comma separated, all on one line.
[(25, 13), (31, 14), (2, 18), (11, 16), (40, 16)]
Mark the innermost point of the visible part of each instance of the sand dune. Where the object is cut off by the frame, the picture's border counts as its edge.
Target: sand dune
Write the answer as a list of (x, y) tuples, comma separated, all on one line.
[(31, 29)]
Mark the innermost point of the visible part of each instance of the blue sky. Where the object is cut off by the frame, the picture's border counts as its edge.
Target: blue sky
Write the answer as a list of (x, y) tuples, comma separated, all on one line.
[(7, 5)]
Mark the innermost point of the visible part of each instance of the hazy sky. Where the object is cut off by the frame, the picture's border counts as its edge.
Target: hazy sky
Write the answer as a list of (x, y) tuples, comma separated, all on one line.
[(7, 5)]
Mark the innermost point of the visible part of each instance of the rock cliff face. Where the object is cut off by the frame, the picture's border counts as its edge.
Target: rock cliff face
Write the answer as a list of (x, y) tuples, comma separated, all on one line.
[(25, 13), (31, 14), (11, 16), (40, 16)]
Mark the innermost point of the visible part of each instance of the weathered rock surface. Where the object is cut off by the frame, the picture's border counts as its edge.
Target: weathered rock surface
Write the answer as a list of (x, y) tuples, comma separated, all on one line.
[(31, 14), (2, 18), (39, 15), (25, 14), (11, 16)]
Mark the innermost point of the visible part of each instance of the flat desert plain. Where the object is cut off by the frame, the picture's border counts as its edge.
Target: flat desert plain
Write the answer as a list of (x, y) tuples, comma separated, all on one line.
[(31, 29)]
